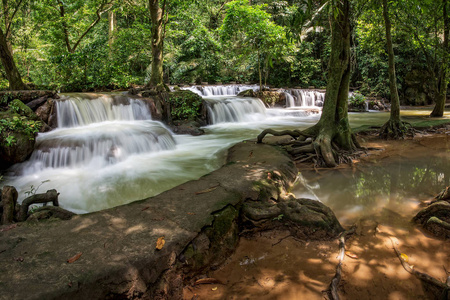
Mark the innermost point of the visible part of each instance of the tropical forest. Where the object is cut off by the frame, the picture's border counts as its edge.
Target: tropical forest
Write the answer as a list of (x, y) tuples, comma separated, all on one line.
[(225, 149)]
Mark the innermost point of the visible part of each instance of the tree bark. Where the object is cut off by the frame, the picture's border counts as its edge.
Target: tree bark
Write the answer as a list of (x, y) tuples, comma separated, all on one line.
[(12, 73), (9, 201), (395, 102), (156, 16), (438, 110)]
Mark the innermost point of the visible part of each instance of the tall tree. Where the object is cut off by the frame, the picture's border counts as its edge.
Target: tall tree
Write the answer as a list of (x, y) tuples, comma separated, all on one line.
[(332, 138), (427, 22), (157, 15), (443, 79), (6, 55), (394, 128)]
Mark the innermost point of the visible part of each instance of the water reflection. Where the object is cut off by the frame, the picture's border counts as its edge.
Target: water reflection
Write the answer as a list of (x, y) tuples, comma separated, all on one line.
[(396, 183)]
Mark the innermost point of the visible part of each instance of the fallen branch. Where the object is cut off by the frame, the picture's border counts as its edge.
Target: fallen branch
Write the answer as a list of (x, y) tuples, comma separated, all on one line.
[(440, 290), (332, 290)]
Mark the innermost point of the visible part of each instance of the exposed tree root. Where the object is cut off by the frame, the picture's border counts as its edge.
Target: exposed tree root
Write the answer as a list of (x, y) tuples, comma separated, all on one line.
[(319, 149), (435, 288), (49, 196), (332, 290), (8, 204), (396, 129), (435, 218)]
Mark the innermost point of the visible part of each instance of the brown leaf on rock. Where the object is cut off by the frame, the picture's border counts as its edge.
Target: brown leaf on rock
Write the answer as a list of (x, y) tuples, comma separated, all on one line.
[(160, 243), (74, 258), (208, 281)]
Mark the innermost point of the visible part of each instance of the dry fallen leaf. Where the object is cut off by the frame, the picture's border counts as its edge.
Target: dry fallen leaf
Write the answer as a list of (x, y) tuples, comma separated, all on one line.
[(207, 190), (160, 243), (214, 288), (351, 255), (207, 281), (191, 213), (404, 257), (74, 258), (145, 208)]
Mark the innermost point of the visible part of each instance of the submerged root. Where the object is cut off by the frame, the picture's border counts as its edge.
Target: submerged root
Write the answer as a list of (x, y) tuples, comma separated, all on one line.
[(396, 129)]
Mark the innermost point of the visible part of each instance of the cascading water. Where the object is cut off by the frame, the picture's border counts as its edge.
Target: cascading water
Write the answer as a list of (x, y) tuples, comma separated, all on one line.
[(221, 90), (304, 98), (236, 109), (107, 151)]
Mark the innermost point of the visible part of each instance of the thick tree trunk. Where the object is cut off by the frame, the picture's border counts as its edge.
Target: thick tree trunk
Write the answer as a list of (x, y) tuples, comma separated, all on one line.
[(156, 14), (438, 110), (12, 73), (333, 124)]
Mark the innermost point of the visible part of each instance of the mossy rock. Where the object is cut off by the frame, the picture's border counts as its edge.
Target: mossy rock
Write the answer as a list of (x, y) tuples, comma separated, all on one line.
[(305, 218), (248, 93), (185, 105)]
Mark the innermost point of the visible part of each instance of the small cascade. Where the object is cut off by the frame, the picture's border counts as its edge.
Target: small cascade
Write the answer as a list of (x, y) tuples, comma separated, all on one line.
[(304, 98), (78, 111), (235, 110), (221, 90), (100, 145)]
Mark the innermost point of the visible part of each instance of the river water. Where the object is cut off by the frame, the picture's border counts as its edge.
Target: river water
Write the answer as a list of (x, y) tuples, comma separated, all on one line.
[(107, 150)]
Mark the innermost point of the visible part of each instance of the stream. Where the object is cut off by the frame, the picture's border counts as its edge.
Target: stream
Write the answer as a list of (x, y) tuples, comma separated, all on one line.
[(107, 151)]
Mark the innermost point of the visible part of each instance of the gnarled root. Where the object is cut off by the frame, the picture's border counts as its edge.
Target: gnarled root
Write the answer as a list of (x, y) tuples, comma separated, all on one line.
[(320, 149), (435, 218), (396, 129), (49, 196)]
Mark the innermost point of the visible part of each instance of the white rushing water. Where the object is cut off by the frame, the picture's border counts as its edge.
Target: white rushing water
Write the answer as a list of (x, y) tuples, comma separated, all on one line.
[(304, 98), (107, 150)]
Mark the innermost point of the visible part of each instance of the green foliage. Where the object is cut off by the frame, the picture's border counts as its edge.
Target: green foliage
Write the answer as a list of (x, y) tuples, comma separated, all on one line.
[(357, 99), (185, 105), (33, 190)]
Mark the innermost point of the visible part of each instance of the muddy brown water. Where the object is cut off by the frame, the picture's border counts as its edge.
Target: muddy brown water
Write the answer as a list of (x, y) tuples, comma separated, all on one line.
[(380, 193)]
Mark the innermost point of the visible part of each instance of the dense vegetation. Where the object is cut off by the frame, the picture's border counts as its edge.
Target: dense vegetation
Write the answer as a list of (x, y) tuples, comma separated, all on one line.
[(107, 44)]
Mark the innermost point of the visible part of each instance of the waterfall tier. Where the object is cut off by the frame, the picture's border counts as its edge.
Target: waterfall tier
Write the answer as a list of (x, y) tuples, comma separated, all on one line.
[(221, 90), (79, 111), (235, 109), (100, 144), (304, 98)]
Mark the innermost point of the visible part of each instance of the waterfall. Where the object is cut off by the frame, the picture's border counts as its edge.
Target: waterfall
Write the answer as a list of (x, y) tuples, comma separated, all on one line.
[(98, 132), (78, 111), (235, 109), (304, 98), (221, 90)]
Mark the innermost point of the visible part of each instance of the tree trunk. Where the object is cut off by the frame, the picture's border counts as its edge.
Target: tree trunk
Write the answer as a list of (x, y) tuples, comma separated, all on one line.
[(395, 102), (111, 30), (394, 128), (333, 124), (9, 201), (156, 15), (12, 73), (438, 110)]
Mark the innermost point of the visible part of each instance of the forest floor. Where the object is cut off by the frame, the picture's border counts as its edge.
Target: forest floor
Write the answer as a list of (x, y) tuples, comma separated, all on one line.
[(275, 265)]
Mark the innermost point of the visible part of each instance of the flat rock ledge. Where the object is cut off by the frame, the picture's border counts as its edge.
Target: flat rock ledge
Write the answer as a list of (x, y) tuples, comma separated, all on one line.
[(112, 254)]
